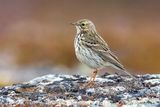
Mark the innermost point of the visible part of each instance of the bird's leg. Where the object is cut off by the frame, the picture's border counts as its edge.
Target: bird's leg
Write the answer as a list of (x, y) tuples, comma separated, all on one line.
[(93, 77)]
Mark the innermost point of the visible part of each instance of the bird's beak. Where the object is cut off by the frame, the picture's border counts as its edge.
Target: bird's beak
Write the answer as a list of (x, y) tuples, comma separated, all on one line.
[(75, 24)]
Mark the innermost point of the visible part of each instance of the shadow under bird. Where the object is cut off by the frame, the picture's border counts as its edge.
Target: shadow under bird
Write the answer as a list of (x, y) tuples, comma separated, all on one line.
[(92, 50)]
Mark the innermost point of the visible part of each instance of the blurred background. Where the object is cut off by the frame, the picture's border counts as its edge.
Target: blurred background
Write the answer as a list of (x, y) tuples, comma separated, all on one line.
[(36, 37)]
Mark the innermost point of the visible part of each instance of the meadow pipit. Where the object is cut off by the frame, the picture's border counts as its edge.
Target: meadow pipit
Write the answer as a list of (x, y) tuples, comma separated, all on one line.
[(92, 50)]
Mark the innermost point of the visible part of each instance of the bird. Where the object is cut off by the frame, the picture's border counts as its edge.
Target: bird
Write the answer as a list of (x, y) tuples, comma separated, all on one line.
[(92, 50)]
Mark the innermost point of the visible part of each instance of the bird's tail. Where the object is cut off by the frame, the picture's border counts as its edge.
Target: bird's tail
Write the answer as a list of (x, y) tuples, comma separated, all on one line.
[(120, 67), (116, 64), (125, 71)]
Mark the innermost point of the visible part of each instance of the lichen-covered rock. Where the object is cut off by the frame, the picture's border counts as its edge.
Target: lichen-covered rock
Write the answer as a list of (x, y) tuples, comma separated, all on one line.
[(69, 91)]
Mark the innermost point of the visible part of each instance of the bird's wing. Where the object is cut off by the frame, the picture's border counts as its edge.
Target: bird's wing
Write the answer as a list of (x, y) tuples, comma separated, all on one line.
[(92, 40), (99, 46)]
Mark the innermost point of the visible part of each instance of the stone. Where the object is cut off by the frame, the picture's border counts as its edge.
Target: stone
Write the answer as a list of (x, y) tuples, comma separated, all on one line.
[(68, 90)]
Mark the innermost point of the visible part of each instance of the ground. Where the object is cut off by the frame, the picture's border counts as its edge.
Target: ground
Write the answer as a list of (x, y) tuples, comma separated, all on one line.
[(69, 91)]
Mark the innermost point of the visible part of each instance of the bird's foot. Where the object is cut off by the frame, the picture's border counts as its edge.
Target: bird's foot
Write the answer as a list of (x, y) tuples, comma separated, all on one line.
[(90, 84), (91, 81)]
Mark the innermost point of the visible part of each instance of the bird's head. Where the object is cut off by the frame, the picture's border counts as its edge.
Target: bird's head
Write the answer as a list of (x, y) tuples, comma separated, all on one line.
[(84, 25)]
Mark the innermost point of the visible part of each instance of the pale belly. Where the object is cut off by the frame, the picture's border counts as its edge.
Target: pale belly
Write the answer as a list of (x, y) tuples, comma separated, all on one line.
[(88, 57)]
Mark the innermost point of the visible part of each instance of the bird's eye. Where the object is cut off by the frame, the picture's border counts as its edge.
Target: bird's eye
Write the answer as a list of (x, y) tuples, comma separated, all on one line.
[(83, 24)]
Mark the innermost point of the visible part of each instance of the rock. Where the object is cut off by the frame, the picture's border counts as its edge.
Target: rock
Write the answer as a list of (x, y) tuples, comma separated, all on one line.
[(69, 91)]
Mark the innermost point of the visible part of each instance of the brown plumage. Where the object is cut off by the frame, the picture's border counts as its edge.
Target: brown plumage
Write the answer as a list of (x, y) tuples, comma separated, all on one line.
[(91, 49)]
